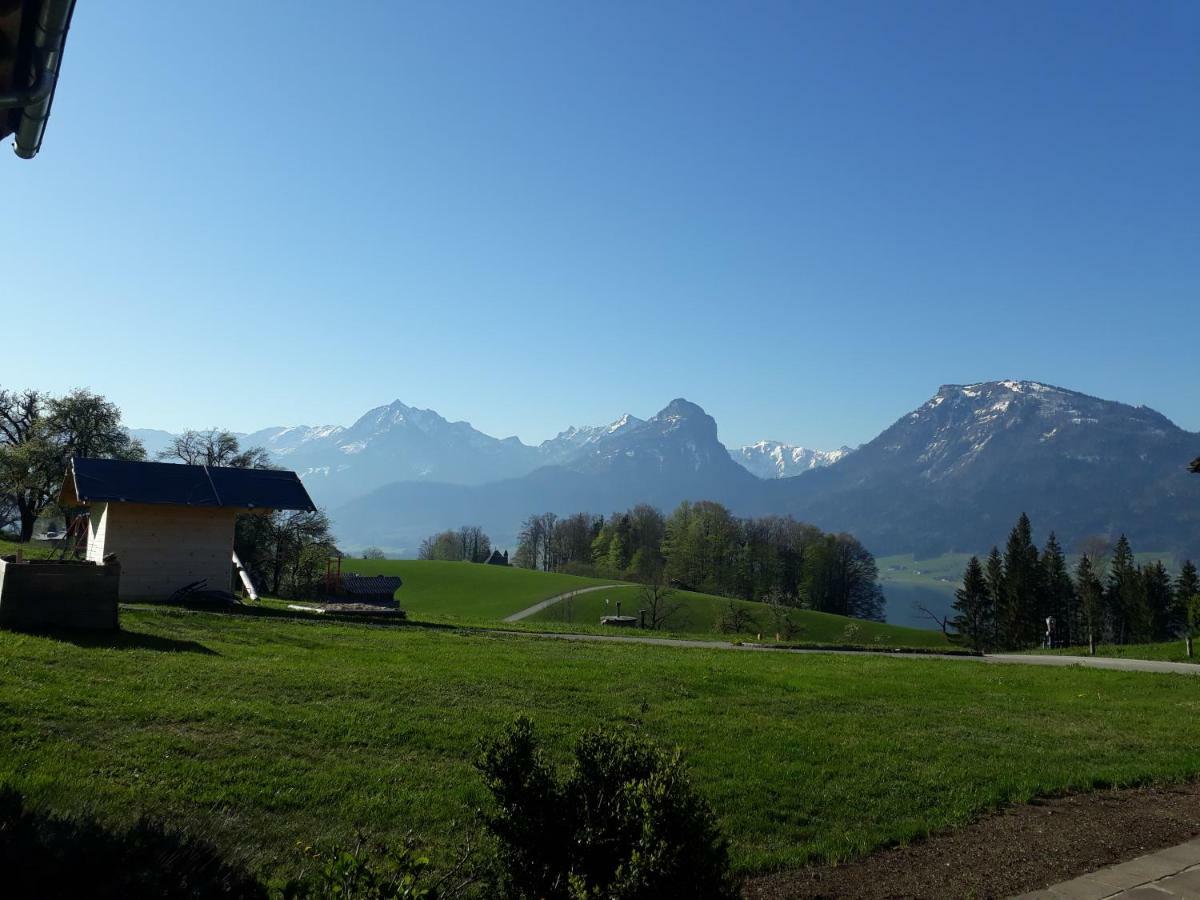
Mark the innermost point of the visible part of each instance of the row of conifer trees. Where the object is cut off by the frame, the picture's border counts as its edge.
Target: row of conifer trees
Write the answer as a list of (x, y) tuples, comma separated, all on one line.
[(1105, 596)]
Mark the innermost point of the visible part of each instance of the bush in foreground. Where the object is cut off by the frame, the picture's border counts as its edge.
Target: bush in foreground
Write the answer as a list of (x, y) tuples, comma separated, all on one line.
[(49, 857), (624, 824)]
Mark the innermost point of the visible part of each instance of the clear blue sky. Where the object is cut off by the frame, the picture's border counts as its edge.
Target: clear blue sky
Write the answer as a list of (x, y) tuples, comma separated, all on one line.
[(804, 217)]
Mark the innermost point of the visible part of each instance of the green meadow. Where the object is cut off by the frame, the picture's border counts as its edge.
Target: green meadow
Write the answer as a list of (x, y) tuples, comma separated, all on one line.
[(258, 730), (700, 613), (467, 592)]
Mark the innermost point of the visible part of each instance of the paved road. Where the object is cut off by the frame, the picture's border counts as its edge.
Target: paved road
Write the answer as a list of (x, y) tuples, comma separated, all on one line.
[(538, 607), (1174, 872), (1091, 662)]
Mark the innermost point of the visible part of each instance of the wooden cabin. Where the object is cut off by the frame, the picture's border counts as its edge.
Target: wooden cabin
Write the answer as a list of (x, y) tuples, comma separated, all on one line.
[(171, 525)]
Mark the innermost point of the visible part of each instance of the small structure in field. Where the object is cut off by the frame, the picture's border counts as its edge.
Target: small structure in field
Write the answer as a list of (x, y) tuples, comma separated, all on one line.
[(46, 593), (497, 558), (378, 589), (618, 621), (171, 525)]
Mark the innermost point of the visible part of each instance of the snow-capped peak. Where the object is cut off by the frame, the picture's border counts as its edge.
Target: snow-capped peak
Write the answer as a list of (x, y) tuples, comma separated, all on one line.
[(775, 459)]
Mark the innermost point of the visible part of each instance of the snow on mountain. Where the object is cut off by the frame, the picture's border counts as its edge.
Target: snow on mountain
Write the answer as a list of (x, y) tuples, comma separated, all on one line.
[(570, 442), (775, 459), (957, 471), (287, 439), (966, 424)]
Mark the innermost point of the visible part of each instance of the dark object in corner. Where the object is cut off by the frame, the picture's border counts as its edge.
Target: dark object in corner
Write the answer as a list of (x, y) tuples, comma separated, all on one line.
[(57, 858), (43, 593)]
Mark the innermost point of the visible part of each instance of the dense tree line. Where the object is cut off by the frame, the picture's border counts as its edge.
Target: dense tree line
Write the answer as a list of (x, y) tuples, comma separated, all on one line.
[(1006, 601), (703, 547), (467, 544)]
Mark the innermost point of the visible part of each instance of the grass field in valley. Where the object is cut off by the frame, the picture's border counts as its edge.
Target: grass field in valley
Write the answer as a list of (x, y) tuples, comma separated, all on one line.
[(260, 731), (467, 592), (471, 594), (701, 612)]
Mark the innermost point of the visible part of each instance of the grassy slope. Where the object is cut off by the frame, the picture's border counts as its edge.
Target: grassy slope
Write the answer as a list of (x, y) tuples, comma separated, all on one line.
[(258, 732), (463, 593), (467, 592), (702, 611)]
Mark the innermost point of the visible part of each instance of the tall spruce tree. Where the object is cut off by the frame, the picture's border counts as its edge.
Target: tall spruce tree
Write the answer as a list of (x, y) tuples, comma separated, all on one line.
[(1090, 596), (973, 604), (1019, 617), (1187, 600), (1159, 597), (1187, 588), (1058, 592), (1123, 595), (994, 575)]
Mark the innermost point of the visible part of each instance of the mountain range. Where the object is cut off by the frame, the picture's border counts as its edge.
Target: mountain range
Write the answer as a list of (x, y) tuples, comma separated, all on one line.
[(774, 459), (951, 475)]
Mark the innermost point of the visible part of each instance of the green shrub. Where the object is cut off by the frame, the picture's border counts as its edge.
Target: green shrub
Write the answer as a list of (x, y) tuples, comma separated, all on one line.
[(735, 619), (364, 873), (624, 824), (377, 872)]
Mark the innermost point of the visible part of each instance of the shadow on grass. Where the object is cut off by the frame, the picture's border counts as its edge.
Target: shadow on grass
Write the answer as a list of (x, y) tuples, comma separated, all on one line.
[(49, 857), (251, 610), (122, 640)]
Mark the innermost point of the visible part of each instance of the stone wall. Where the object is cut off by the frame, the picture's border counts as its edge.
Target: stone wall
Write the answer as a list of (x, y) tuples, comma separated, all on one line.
[(39, 593)]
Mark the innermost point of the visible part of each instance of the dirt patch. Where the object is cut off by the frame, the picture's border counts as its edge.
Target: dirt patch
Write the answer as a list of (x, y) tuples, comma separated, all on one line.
[(1022, 848)]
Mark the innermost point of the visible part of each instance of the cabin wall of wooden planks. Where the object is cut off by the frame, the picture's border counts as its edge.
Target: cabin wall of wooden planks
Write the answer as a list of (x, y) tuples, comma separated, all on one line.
[(162, 548)]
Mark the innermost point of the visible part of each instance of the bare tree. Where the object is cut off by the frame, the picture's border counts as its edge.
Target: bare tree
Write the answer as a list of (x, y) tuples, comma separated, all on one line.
[(1097, 548), (549, 563), (661, 605), (529, 543), (735, 619), (942, 621), (215, 447), (476, 545)]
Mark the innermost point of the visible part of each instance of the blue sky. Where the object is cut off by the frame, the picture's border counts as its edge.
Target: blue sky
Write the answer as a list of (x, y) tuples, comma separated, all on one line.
[(804, 217)]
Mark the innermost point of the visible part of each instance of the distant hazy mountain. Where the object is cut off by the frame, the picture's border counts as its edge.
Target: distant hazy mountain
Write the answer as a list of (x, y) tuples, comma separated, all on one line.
[(394, 443), (671, 457), (153, 439), (774, 459), (955, 473)]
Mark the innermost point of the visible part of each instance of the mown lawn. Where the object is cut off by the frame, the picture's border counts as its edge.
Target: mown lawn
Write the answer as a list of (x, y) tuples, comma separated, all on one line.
[(258, 731), (701, 612)]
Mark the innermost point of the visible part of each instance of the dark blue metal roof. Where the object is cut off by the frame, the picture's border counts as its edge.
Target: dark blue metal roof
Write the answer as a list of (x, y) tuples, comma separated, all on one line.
[(371, 584), (122, 481)]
